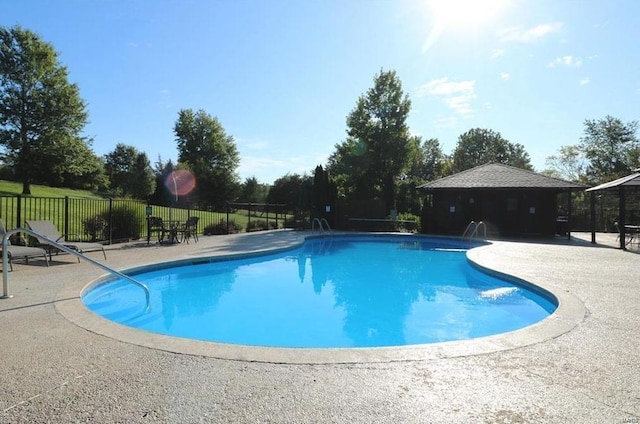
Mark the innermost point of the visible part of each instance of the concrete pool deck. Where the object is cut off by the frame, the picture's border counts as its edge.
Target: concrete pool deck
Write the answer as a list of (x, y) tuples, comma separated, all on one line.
[(61, 364)]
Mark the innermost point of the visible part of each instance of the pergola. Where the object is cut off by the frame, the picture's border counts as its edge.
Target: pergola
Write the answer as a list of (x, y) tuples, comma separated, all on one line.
[(632, 180)]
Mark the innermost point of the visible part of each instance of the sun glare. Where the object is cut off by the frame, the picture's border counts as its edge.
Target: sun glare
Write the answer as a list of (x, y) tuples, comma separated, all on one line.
[(464, 13), (460, 16)]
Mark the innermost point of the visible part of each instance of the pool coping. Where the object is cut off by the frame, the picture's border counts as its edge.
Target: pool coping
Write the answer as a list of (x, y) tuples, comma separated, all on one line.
[(569, 313)]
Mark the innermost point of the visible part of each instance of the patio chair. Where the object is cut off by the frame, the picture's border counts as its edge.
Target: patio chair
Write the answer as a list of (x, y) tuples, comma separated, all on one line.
[(190, 229), (21, 252), (628, 237), (156, 225), (48, 232)]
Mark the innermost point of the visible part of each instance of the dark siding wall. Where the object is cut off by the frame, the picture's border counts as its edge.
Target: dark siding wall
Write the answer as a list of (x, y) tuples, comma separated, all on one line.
[(509, 212)]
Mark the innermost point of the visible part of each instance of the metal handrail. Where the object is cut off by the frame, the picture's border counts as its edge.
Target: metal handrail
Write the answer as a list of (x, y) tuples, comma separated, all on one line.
[(321, 222), (5, 262), (470, 230), (482, 225), (473, 229)]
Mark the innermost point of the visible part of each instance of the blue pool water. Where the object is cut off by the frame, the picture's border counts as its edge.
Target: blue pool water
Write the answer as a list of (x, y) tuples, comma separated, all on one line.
[(331, 292)]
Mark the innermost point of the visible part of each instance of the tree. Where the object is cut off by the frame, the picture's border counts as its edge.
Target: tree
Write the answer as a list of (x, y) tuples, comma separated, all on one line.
[(130, 172), (211, 154), (41, 113), (252, 191), (611, 148), (431, 160), (374, 157), (569, 164), (323, 194), (479, 146), (161, 195), (293, 190), (72, 165), (425, 159)]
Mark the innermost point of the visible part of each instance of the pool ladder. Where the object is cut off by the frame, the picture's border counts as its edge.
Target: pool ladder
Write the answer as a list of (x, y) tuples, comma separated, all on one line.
[(323, 225), (474, 230), (5, 262)]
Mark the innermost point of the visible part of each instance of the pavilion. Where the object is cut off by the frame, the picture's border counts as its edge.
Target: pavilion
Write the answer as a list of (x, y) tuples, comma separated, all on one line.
[(512, 201), (621, 184)]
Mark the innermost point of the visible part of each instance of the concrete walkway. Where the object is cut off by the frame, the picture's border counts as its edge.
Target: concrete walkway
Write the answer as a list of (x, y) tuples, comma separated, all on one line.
[(58, 363)]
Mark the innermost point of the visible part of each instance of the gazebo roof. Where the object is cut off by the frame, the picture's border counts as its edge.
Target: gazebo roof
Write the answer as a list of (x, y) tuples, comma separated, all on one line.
[(629, 180), (499, 176)]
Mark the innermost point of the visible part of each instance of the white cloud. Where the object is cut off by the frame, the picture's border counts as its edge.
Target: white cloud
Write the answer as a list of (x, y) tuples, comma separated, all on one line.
[(252, 143), (530, 35), (457, 95), (461, 104), (445, 122), (585, 81), (505, 75), (444, 87), (568, 61), (268, 169), (497, 53)]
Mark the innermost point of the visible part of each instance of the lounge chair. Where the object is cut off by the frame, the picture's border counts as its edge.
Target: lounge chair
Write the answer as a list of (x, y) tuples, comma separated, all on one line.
[(48, 232), (21, 252)]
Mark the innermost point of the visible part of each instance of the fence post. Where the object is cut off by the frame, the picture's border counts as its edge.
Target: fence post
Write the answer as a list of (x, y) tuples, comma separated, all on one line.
[(66, 217), (266, 206), (228, 209), (110, 221), (248, 216), (19, 212)]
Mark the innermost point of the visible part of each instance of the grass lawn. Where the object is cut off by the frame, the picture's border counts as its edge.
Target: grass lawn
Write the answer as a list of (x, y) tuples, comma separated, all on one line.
[(12, 188)]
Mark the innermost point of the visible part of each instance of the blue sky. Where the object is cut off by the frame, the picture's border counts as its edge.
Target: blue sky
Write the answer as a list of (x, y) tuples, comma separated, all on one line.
[(281, 76)]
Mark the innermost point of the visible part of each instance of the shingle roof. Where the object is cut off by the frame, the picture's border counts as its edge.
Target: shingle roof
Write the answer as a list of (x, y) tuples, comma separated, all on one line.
[(499, 176)]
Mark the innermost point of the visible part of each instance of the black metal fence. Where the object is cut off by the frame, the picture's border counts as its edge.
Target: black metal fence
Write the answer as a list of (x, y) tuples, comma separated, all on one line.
[(258, 216), (117, 220), (104, 220)]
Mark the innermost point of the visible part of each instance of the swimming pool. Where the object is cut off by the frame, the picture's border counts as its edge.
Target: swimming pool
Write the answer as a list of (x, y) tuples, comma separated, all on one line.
[(352, 291)]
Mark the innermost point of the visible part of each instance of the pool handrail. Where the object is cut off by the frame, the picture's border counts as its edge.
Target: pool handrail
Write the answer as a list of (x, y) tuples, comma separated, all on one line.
[(321, 223), (473, 230), (5, 262)]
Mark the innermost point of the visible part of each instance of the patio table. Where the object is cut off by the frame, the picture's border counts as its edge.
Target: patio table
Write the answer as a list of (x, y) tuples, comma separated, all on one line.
[(174, 227), (633, 234)]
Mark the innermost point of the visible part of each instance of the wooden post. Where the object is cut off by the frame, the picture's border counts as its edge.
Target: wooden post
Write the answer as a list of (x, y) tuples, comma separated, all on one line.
[(593, 216), (569, 207), (623, 217)]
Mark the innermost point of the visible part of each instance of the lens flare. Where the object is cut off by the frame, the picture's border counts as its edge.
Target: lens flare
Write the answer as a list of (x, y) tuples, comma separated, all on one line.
[(180, 182)]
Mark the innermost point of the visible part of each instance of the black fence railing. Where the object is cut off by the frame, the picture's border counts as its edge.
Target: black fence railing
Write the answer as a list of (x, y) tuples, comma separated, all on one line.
[(258, 216), (117, 220)]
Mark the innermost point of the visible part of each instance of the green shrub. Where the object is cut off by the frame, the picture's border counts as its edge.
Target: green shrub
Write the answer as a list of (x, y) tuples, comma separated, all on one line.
[(261, 224), (298, 222), (408, 227), (221, 228), (125, 224), (96, 227)]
